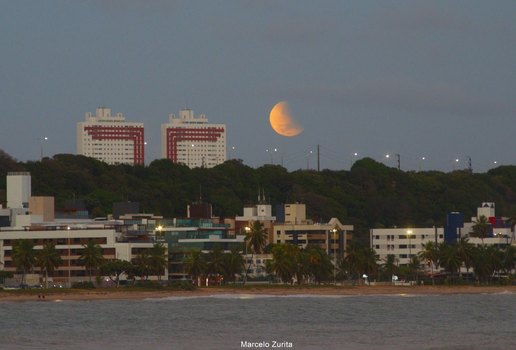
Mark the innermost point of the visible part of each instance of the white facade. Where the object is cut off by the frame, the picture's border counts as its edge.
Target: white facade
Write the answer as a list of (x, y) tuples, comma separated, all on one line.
[(110, 138), (193, 141), (18, 189), (403, 242)]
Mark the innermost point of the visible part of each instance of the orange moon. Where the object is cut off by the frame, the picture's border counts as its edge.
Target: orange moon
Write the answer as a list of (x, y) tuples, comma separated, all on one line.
[(282, 121)]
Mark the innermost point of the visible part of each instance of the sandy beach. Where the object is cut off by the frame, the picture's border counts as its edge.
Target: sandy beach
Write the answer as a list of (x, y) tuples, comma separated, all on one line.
[(121, 294)]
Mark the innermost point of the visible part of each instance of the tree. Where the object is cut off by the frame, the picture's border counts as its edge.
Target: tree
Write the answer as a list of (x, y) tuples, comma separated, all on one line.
[(92, 256), (509, 259), (233, 264), (390, 266), (114, 268), (449, 259), (320, 266), (465, 252), (24, 256), (142, 265), (430, 256), (414, 267), (360, 260), (255, 240), (256, 237), (48, 259), (215, 262), (481, 228), (195, 265), (158, 259), (284, 261), (481, 265)]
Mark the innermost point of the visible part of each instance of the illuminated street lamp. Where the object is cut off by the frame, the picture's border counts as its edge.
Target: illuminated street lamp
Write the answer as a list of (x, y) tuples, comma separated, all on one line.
[(159, 228), (43, 139)]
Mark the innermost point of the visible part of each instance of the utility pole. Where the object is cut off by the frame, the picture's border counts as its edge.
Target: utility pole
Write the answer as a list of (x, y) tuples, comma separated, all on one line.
[(399, 161), (470, 167), (318, 159)]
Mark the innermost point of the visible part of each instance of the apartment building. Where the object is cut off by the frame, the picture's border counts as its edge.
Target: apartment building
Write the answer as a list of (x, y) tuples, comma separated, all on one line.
[(193, 141), (110, 138)]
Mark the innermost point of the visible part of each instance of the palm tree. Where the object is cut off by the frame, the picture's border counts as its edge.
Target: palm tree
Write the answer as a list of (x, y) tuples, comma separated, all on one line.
[(369, 261), (256, 238), (24, 256), (448, 258), (48, 259), (481, 264), (353, 259), (481, 228), (465, 251), (414, 267), (390, 265), (142, 265), (233, 263), (509, 259), (157, 259), (320, 267), (92, 256), (283, 261), (429, 254), (215, 262), (195, 265)]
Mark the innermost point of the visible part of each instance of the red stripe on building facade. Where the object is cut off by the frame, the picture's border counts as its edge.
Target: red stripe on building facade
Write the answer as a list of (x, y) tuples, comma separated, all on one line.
[(175, 135), (128, 133)]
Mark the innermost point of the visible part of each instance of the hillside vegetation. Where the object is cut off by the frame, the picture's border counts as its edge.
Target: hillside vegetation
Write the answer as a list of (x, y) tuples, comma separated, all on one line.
[(369, 195)]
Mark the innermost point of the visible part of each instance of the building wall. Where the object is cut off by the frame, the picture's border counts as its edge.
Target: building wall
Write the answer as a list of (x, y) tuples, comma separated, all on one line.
[(322, 235), (295, 213), (192, 141), (44, 206), (18, 189), (398, 242), (110, 138)]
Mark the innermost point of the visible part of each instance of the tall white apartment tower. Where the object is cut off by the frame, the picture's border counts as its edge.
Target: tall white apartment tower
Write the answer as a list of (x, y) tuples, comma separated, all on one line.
[(192, 141), (110, 138)]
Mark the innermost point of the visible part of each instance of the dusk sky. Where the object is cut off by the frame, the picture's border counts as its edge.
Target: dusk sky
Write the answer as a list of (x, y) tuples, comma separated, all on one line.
[(415, 78)]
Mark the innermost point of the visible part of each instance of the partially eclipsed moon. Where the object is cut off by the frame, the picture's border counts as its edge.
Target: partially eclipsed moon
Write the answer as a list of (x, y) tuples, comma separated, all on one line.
[(282, 121)]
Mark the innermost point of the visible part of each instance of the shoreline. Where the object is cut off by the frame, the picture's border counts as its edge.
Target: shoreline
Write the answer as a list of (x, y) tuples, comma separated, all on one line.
[(120, 294)]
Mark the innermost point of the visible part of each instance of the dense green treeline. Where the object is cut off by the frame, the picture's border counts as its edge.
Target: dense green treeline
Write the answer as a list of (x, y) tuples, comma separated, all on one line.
[(369, 195)]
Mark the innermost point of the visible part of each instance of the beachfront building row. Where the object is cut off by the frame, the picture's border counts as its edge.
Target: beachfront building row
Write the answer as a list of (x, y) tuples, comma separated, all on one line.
[(407, 242), (69, 239), (187, 139), (128, 232)]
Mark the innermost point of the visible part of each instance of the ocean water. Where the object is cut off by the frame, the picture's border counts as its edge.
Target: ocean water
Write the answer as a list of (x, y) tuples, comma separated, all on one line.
[(486, 321)]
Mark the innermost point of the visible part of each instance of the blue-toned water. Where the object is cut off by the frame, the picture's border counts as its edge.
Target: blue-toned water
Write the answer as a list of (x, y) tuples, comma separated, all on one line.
[(485, 321)]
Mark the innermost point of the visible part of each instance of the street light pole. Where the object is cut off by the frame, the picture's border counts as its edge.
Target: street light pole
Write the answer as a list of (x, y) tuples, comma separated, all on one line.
[(409, 234), (334, 257), (43, 139)]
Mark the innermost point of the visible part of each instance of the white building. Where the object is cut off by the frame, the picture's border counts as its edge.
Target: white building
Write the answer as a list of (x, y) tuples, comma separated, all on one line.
[(403, 242), (192, 141), (110, 138)]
